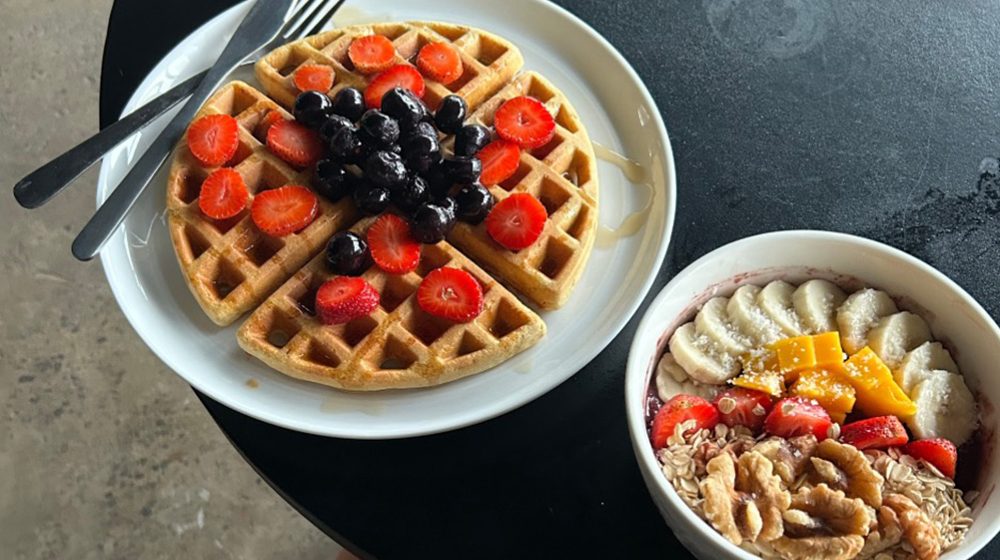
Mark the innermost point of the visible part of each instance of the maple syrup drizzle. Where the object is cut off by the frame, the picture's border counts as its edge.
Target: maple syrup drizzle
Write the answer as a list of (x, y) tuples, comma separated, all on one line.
[(636, 174)]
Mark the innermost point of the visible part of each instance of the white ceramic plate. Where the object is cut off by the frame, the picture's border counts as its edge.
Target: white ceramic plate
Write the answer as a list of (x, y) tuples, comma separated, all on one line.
[(618, 112)]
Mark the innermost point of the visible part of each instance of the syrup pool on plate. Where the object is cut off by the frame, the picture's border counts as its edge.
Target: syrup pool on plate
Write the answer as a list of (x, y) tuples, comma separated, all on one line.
[(637, 175)]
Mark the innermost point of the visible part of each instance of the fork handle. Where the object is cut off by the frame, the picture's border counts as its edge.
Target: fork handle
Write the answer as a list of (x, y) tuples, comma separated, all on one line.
[(50, 179)]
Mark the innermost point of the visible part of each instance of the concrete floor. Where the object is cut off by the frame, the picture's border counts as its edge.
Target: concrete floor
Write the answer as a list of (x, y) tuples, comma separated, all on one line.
[(104, 453)]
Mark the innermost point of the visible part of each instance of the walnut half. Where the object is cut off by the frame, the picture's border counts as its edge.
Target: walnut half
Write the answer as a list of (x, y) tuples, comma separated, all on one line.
[(918, 529), (744, 499), (823, 523), (845, 468)]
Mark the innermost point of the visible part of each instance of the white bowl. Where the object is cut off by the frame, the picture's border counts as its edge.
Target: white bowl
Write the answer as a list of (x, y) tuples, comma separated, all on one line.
[(850, 261)]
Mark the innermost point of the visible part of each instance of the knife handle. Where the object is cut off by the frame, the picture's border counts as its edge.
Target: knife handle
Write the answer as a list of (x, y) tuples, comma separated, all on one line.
[(50, 179)]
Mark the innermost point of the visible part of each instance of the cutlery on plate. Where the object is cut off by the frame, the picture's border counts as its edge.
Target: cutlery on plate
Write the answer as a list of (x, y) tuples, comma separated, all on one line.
[(307, 17)]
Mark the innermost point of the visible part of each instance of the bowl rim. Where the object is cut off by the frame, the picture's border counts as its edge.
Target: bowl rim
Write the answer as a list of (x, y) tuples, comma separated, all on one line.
[(640, 361)]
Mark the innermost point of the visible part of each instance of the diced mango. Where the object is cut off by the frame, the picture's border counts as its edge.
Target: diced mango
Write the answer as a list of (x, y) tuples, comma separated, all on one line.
[(795, 354), (876, 390), (770, 382), (828, 388), (827, 349)]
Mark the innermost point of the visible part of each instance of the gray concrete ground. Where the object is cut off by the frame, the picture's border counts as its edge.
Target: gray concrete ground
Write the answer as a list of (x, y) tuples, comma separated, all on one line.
[(104, 453)]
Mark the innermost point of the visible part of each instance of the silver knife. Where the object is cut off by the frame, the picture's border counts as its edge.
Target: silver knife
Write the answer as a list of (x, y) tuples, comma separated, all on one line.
[(261, 24)]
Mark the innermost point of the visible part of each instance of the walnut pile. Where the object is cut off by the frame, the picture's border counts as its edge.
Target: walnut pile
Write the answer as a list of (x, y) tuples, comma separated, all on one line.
[(744, 499), (823, 523)]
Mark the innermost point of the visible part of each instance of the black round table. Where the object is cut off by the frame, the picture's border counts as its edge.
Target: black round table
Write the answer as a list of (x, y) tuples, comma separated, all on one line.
[(873, 118)]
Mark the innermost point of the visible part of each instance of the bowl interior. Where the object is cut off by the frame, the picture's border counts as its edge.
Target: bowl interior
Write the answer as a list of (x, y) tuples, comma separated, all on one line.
[(955, 319)]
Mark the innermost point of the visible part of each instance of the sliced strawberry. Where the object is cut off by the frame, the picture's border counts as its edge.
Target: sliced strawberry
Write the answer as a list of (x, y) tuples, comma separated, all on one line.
[(223, 194), (440, 62), (371, 54), (937, 451), (451, 293), (213, 139), (798, 416), (516, 221), (392, 247), (743, 407), (314, 77), (525, 121), (879, 432), (500, 160), (401, 75), (345, 298), (294, 143), (269, 120), (284, 210), (678, 410)]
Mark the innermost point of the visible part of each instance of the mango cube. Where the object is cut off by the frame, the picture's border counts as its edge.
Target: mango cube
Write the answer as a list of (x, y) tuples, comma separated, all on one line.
[(828, 388), (827, 349), (876, 390), (770, 382)]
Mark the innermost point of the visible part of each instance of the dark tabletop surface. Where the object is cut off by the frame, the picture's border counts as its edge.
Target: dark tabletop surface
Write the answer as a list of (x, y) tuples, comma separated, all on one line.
[(873, 118)]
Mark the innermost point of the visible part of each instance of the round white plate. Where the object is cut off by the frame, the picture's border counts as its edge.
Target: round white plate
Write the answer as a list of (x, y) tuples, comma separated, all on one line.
[(618, 112)]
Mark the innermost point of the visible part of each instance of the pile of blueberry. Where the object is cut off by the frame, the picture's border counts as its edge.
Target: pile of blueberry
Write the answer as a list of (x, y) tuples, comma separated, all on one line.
[(398, 151)]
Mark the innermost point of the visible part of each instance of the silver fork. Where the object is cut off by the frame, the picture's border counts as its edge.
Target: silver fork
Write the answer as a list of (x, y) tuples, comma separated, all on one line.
[(307, 17)]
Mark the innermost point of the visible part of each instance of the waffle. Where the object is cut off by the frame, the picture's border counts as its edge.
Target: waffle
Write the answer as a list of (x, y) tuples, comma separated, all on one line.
[(488, 60), (230, 265), (397, 346)]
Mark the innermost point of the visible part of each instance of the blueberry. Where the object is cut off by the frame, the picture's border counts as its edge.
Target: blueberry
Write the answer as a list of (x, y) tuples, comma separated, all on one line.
[(430, 223), (410, 195), (462, 169), (451, 114), (377, 129), (385, 169), (347, 253), (474, 203), (349, 103), (470, 139), (345, 145), (421, 151), (402, 105), (332, 181), (371, 199), (331, 125), (312, 108), (438, 181)]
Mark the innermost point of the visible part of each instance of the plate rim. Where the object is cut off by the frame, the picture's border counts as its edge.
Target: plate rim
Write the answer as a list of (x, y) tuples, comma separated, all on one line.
[(291, 423)]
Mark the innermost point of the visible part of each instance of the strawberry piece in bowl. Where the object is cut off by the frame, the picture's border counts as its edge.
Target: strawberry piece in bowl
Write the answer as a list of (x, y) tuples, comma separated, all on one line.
[(371, 54), (345, 298), (282, 211), (223, 194), (743, 407), (797, 416), (452, 294), (213, 139), (937, 451), (314, 77), (294, 143), (440, 62), (525, 121), (879, 432), (392, 247), (678, 410), (516, 221), (399, 76)]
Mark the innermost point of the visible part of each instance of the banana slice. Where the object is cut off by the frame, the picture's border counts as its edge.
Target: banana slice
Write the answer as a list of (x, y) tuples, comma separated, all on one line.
[(693, 353), (945, 408), (918, 363), (816, 302), (893, 336), (748, 319), (713, 321), (859, 313), (672, 380), (775, 300)]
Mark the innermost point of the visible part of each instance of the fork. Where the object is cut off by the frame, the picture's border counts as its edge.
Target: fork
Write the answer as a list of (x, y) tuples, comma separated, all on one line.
[(307, 17)]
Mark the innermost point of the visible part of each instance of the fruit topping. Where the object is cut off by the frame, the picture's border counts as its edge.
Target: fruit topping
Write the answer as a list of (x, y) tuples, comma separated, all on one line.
[(462, 169), (450, 114), (393, 248), (410, 195), (877, 392), (332, 182), (796, 416), (347, 254), (945, 407), (312, 108), (678, 410), (349, 103), (267, 122), (474, 203), (451, 293), (500, 159), (879, 432), (345, 298), (431, 223), (402, 105), (470, 139), (401, 75), (829, 389), (284, 210), (371, 54), (314, 77), (805, 352), (420, 147), (440, 62), (345, 145), (743, 407), (333, 123), (385, 169), (770, 382), (516, 221), (937, 451), (213, 139), (525, 121), (294, 143), (223, 194), (378, 130), (371, 199)]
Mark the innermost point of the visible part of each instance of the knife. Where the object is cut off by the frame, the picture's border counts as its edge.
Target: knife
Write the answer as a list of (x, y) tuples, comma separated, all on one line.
[(261, 24)]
